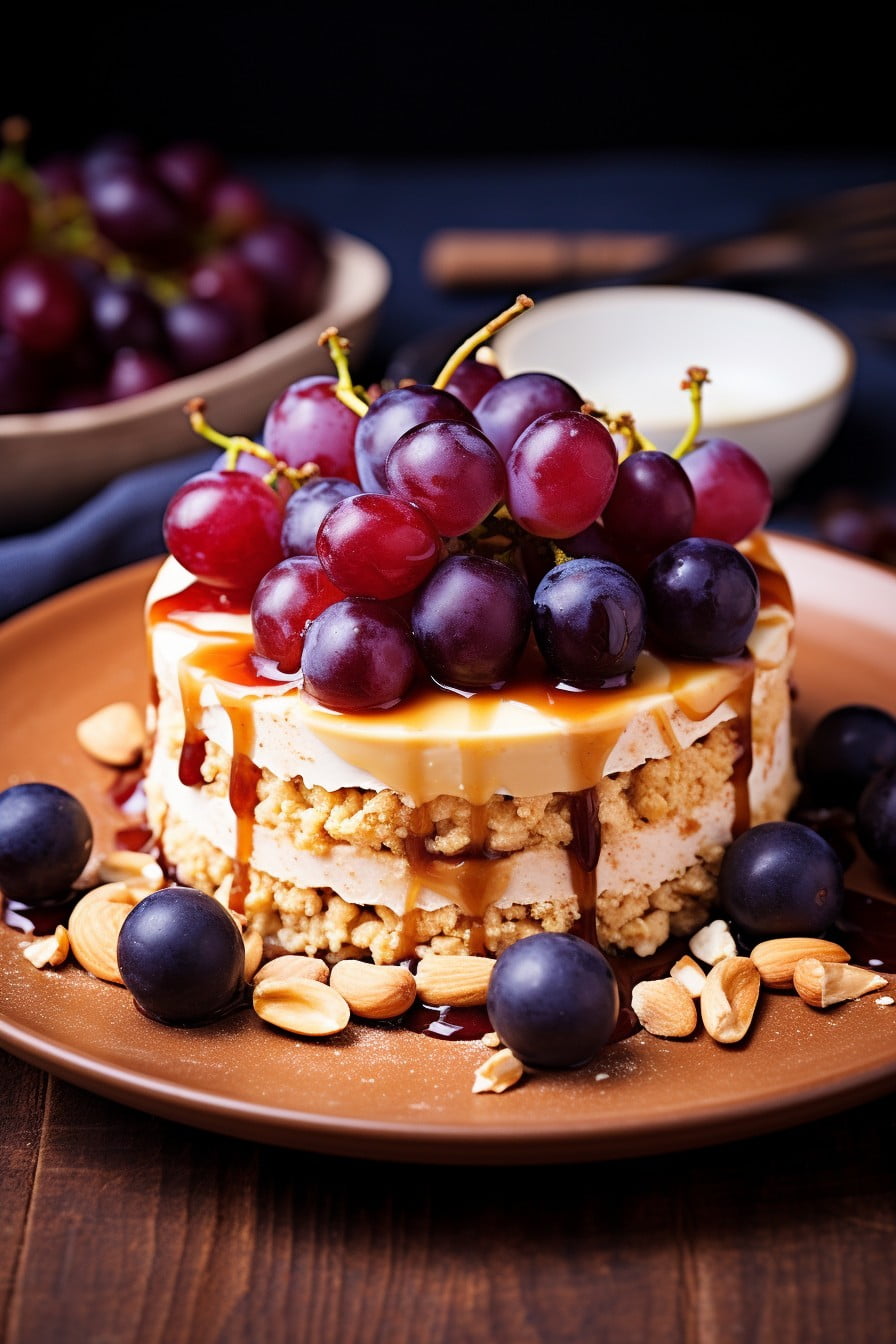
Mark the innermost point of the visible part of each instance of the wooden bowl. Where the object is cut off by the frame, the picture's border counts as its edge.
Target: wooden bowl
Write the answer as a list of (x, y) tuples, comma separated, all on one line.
[(52, 461)]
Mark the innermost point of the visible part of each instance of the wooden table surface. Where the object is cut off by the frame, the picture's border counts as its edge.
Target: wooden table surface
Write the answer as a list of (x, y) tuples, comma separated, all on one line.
[(116, 1226)]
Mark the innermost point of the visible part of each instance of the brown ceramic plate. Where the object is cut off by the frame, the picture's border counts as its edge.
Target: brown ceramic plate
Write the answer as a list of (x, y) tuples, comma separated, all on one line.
[(390, 1094)]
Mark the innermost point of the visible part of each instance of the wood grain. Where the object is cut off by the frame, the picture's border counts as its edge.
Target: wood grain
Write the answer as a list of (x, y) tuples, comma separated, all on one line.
[(120, 1227)]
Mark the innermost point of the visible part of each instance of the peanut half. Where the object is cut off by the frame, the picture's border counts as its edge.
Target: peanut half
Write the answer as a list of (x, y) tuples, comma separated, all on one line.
[(664, 1007), (377, 992), (94, 926), (822, 984), (500, 1071), (729, 999), (114, 735), (303, 1007), (49, 951)]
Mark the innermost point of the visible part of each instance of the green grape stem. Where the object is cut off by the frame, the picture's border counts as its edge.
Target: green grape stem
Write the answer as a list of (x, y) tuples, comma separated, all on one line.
[(234, 444), (347, 392), (693, 383), (522, 303)]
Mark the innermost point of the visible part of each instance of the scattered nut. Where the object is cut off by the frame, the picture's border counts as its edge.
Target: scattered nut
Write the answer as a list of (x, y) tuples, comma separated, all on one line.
[(254, 946), (821, 984), (377, 992), (453, 982), (303, 1007), (94, 925), (492, 1040), (222, 893), (132, 866), (293, 967), (664, 1007), (688, 973), (885, 1001), (713, 943), (500, 1071), (114, 735), (776, 958), (729, 999), (49, 951)]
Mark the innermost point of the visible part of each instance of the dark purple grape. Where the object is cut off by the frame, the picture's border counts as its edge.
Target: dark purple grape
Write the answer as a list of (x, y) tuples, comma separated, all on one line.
[(553, 1000), (75, 396), (189, 169), (135, 371), (306, 509), (589, 619), (781, 879), (290, 258), (472, 379), (61, 175), (15, 220), (652, 504), (513, 403), (844, 749), (22, 377), (702, 599), (45, 841), (308, 423), (876, 819), (137, 212), (451, 470), (40, 302), (287, 598), (393, 414), (358, 655), (471, 620), (181, 956), (202, 333), (235, 207), (592, 542), (226, 277), (122, 312), (112, 155)]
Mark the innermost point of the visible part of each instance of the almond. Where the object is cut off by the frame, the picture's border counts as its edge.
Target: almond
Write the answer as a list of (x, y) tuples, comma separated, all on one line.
[(94, 925), (713, 942), (49, 951), (303, 1007), (688, 973), (132, 866), (729, 999), (776, 958), (453, 982), (499, 1072), (377, 992), (822, 984), (114, 735), (293, 967), (664, 1007)]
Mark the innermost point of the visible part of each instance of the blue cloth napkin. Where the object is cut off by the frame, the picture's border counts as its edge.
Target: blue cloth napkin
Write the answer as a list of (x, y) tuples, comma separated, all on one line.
[(118, 526)]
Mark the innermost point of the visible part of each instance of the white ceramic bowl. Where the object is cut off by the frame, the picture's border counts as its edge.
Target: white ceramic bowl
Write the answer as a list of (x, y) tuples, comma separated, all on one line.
[(52, 461), (780, 376)]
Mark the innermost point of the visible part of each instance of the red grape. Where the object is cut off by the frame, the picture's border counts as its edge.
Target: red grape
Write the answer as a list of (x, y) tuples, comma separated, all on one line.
[(358, 655), (472, 379), (377, 546), (651, 506), (134, 371), (733, 494), (136, 211), (22, 377), (390, 416), (308, 423), (513, 403), (203, 332), (287, 598), (40, 302), (560, 473), (235, 206), (289, 257), (228, 278), (224, 527), (15, 220), (189, 170), (451, 470)]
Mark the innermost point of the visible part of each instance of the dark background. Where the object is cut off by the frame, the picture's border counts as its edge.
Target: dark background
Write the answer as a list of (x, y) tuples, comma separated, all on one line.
[(272, 80)]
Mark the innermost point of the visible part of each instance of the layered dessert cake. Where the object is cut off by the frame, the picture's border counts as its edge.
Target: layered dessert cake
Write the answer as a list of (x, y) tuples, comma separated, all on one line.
[(458, 821)]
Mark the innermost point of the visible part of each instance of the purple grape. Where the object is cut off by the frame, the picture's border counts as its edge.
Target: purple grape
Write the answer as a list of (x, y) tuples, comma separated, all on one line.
[(45, 840), (306, 509), (560, 473), (22, 377), (513, 403), (553, 1000), (358, 656), (123, 313), (844, 749), (781, 879), (471, 621), (61, 175), (472, 379), (202, 333), (290, 258), (652, 504), (15, 220), (732, 492), (592, 542), (135, 371), (876, 819), (189, 169), (393, 414), (702, 599), (451, 470), (112, 155), (287, 598), (40, 302), (228, 278), (308, 423), (235, 207), (589, 619), (181, 956), (138, 213)]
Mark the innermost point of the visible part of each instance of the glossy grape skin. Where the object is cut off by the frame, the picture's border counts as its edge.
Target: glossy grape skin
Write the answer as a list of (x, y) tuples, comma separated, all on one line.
[(22, 377), (377, 546), (560, 473), (45, 840), (513, 403), (136, 211), (308, 423), (135, 371), (224, 527), (652, 504), (226, 277), (844, 749), (732, 492), (876, 819), (286, 599), (358, 656), (235, 207), (181, 956), (40, 302), (15, 220), (590, 622), (306, 509), (781, 879), (123, 313), (553, 1000), (471, 620), (189, 169), (203, 332), (472, 379), (702, 599), (451, 470), (392, 414)]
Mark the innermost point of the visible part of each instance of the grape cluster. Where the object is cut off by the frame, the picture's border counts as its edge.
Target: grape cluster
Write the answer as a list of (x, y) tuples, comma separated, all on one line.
[(124, 267), (392, 535)]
